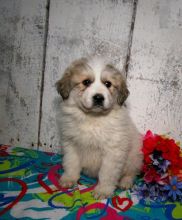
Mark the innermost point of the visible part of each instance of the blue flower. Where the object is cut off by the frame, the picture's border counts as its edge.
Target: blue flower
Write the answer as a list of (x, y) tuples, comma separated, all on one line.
[(157, 193), (174, 189), (142, 190), (151, 192)]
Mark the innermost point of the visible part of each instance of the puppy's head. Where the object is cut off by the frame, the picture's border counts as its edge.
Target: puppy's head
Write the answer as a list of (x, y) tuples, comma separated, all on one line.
[(93, 85)]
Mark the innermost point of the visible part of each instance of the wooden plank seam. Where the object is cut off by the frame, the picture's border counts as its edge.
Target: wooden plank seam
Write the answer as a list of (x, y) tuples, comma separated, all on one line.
[(127, 62), (43, 71)]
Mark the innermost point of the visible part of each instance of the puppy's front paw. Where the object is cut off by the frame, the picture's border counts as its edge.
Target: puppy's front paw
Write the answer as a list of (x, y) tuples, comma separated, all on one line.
[(102, 192), (67, 181), (126, 182)]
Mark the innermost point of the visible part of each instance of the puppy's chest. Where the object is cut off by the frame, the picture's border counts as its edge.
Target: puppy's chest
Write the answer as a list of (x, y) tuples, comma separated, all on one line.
[(90, 132)]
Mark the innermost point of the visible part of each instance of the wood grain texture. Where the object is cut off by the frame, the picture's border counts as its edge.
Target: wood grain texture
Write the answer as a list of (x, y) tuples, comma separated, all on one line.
[(76, 29), (155, 71), (21, 53)]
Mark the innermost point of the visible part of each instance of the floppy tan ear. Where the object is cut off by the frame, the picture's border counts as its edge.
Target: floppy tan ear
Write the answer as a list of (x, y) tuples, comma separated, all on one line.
[(63, 86), (66, 83), (123, 92)]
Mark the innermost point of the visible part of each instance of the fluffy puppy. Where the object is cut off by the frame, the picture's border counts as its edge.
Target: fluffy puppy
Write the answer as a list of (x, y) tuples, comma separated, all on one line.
[(98, 136)]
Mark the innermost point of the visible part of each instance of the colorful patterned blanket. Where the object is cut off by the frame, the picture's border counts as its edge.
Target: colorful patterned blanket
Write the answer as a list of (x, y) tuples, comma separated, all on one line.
[(29, 189)]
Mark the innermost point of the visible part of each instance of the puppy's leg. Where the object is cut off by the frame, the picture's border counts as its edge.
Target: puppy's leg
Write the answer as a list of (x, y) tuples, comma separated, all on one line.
[(71, 165), (109, 175), (127, 180), (131, 169)]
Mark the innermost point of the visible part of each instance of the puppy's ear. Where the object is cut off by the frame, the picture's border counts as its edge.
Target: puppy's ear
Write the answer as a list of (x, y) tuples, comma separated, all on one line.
[(63, 86), (123, 92)]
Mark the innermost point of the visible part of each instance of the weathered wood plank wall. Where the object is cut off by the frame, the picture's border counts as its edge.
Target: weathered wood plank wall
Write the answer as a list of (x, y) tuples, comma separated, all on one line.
[(22, 29), (155, 73), (28, 100), (78, 28)]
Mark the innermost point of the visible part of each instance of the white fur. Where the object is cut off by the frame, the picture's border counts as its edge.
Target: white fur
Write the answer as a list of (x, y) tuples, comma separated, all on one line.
[(97, 64), (106, 146)]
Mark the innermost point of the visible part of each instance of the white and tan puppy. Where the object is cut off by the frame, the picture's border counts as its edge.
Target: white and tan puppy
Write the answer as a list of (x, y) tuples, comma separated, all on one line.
[(98, 136)]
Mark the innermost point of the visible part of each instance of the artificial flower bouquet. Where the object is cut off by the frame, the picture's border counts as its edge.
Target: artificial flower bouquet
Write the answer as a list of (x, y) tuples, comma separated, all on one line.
[(162, 169)]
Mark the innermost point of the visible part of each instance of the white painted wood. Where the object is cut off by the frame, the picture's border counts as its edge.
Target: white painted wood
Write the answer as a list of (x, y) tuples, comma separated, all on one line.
[(155, 72), (78, 28), (21, 53)]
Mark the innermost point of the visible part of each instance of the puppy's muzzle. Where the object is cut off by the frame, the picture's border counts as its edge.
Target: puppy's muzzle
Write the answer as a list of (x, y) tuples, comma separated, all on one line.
[(98, 100)]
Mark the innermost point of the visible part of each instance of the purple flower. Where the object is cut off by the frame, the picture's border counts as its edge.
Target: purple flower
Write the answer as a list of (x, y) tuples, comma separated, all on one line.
[(174, 189), (164, 166), (157, 193), (143, 191), (151, 191), (159, 163)]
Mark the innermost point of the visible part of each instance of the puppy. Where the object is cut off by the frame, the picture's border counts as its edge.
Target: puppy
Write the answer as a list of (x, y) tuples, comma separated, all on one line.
[(98, 136)]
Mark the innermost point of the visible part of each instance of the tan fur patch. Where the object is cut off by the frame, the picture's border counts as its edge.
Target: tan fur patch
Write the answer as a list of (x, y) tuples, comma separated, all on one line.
[(118, 81), (73, 76)]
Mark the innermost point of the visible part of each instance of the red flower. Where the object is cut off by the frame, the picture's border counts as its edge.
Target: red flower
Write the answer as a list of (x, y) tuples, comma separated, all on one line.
[(151, 176), (170, 150), (148, 143), (176, 168), (3, 149), (151, 142), (145, 168)]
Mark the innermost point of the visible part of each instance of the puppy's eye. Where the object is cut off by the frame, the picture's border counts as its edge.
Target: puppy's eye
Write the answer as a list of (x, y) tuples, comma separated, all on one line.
[(108, 84), (86, 82)]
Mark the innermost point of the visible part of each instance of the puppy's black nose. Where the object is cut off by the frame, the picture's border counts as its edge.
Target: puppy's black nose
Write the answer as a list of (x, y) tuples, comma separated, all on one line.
[(98, 99)]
